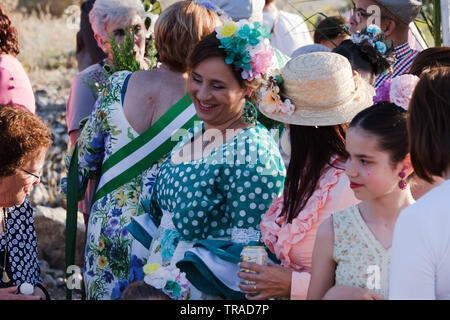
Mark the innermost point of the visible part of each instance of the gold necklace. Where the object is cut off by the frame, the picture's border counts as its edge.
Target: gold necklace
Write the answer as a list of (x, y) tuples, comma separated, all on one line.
[(5, 278)]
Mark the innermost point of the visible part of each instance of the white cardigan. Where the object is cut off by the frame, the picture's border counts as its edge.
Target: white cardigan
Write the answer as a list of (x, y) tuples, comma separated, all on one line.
[(420, 261)]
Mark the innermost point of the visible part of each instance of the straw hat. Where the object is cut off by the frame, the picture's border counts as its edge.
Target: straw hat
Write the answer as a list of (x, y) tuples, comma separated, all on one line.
[(323, 90)]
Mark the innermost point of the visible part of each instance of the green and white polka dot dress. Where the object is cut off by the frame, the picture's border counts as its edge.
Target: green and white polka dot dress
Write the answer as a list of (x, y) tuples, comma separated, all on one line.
[(221, 196)]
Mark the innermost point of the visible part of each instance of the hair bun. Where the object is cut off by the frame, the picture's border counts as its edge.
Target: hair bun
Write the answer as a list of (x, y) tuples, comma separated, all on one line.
[(372, 42)]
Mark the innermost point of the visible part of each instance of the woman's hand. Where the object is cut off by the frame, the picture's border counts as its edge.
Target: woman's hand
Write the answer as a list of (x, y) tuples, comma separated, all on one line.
[(272, 281), (351, 293), (10, 294)]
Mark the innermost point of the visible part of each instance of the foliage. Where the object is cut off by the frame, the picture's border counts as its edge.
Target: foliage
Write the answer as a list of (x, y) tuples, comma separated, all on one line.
[(123, 54)]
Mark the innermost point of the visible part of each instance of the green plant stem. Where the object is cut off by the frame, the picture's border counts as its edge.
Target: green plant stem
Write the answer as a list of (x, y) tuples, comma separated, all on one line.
[(437, 23)]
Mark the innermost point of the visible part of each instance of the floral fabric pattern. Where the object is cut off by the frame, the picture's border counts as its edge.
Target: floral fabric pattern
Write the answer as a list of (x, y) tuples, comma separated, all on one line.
[(113, 258), (361, 260)]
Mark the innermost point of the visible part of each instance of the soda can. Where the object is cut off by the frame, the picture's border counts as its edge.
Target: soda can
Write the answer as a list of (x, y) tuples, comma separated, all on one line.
[(255, 254)]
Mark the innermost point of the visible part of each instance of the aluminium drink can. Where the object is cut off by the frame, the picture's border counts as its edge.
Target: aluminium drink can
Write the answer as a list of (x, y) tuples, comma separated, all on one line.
[(255, 254)]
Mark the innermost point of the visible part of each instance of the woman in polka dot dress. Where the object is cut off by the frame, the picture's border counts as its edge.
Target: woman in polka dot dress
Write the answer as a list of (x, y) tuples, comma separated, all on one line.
[(223, 174)]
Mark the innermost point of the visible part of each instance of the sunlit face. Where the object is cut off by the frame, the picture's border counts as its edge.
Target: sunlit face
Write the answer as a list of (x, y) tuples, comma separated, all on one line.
[(117, 29), (217, 95), (369, 169), (15, 188), (359, 15)]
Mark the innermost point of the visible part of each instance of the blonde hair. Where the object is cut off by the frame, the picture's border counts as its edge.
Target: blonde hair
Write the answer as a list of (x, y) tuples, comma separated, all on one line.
[(105, 11), (178, 30)]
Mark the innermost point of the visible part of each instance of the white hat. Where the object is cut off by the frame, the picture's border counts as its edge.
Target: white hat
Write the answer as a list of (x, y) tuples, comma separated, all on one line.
[(322, 89), (251, 10)]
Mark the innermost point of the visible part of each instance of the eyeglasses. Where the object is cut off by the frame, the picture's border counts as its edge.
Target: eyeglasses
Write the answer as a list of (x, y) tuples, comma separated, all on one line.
[(359, 14), (36, 176)]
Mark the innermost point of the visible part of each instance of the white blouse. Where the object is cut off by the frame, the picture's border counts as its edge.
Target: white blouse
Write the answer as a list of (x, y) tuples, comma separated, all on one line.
[(420, 261)]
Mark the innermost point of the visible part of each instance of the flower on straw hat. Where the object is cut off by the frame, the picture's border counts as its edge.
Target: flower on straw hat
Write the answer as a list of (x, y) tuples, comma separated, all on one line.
[(270, 99), (318, 89)]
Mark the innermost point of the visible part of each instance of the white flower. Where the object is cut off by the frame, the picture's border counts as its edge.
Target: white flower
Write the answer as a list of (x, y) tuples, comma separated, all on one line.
[(243, 22), (158, 278)]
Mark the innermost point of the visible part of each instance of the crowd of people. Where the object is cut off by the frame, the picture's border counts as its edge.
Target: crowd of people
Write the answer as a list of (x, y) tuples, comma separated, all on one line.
[(329, 148)]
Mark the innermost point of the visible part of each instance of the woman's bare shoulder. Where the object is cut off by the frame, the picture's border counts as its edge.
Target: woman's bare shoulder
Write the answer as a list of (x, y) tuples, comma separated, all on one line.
[(326, 229)]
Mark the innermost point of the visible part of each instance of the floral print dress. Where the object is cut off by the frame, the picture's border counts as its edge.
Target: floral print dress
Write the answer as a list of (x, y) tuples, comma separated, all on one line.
[(220, 196), (113, 258)]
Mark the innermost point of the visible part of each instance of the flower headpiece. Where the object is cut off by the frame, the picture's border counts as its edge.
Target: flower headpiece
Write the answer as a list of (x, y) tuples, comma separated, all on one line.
[(269, 96), (168, 279), (247, 47), (399, 90), (372, 42)]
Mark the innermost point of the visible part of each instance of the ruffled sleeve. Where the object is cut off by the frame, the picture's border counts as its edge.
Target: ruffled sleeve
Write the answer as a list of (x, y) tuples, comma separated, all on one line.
[(280, 237)]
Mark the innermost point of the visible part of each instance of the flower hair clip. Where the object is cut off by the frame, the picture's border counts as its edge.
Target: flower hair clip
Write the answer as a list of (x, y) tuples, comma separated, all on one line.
[(168, 279), (399, 90), (247, 47), (372, 42), (269, 96)]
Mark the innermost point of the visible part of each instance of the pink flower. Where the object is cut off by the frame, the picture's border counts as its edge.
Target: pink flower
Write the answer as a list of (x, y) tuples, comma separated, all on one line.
[(248, 75), (287, 107), (262, 61), (402, 88)]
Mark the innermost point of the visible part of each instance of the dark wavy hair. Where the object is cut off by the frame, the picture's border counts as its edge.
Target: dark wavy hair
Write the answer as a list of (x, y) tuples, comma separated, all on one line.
[(431, 57), (429, 122), (9, 43), (388, 122), (311, 151), (330, 28), (207, 48), (363, 57)]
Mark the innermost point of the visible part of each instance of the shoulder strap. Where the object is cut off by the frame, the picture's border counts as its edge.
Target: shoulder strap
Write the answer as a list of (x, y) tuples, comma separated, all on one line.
[(142, 152), (71, 215)]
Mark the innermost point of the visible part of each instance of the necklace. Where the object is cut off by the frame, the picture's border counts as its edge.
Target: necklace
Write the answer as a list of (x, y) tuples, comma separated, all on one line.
[(5, 278)]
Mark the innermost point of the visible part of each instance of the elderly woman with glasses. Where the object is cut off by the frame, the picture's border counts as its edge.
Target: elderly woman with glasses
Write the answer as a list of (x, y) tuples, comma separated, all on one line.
[(24, 141), (106, 17)]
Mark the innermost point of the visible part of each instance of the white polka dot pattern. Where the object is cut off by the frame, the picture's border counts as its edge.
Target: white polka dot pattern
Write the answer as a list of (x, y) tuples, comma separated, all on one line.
[(22, 262)]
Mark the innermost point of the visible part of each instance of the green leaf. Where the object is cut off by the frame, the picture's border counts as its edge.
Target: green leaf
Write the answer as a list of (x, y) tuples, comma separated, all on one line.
[(147, 5), (156, 9), (148, 23)]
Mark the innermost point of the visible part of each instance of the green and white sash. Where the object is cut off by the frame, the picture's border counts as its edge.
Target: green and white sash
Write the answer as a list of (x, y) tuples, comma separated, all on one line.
[(126, 164), (142, 152)]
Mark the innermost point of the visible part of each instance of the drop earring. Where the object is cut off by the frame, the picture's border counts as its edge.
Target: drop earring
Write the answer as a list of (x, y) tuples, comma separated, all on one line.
[(403, 183), (249, 112)]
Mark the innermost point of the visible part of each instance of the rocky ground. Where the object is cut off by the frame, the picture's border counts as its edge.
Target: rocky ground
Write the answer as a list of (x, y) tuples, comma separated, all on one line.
[(51, 89)]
